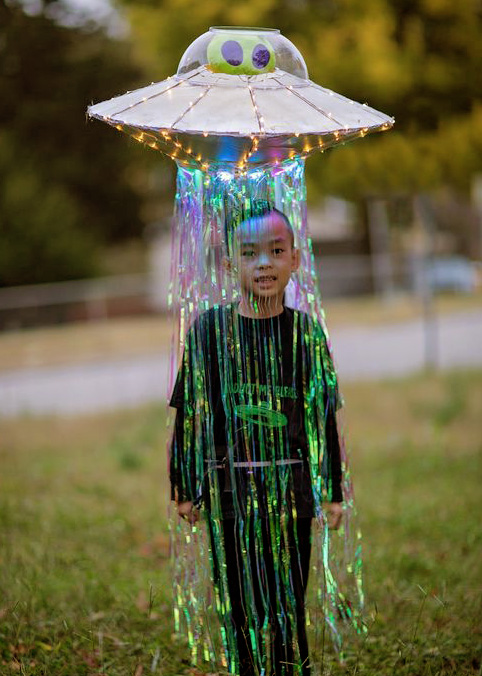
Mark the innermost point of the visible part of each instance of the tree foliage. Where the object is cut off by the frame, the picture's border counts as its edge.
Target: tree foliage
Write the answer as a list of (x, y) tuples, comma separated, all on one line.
[(418, 60), (40, 239), (65, 186)]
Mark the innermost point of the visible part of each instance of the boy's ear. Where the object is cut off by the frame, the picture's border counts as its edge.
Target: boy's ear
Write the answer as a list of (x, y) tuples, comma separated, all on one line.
[(295, 260), (228, 265)]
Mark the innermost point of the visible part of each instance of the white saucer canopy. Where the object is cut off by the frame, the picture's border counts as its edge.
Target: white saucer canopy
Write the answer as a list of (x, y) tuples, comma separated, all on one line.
[(253, 112)]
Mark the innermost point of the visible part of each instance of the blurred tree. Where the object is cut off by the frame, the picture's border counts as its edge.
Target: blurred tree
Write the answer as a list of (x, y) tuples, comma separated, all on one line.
[(65, 185), (40, 237), (418, 60)]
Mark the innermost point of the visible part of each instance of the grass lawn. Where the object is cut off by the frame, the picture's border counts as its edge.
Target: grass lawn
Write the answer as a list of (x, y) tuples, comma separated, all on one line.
[(84, 561)]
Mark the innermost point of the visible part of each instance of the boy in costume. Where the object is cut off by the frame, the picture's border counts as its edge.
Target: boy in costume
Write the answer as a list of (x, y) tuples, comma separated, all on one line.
[(256, 447)]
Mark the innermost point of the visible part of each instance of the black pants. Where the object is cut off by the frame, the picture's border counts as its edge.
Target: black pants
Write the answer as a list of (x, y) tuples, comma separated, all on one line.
[(264, 586)]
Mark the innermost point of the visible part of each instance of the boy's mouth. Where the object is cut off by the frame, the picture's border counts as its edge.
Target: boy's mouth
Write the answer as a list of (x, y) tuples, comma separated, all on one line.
[(265, 278)]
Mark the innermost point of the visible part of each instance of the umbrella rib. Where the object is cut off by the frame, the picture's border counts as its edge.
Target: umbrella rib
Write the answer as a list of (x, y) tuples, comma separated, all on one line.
[(153, 96), (318, 110), (256, 111), (191, 106), (367, 108)]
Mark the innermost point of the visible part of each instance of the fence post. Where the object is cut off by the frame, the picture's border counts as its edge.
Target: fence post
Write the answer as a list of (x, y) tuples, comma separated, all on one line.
[(378, 229), (425, 218)]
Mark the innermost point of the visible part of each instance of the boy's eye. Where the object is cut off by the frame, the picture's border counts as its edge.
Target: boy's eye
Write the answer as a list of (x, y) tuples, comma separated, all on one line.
[(247, 253), (278, 251)]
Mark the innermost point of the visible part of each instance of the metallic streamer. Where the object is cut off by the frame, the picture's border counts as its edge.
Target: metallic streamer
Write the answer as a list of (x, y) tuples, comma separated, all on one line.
[(215, 343)]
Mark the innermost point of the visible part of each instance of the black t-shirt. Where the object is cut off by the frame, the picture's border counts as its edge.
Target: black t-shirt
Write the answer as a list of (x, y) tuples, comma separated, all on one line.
[(253, 378)]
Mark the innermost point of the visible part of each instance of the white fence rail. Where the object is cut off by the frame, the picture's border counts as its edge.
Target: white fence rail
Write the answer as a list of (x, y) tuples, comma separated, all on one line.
[(85, 290)]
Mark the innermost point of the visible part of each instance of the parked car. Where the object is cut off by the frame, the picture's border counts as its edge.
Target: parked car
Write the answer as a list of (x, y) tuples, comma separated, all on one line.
[(451, 273)]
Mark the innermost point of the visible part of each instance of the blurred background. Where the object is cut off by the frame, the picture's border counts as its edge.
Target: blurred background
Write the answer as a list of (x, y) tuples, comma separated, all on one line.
[(85, 213), (85, 219)]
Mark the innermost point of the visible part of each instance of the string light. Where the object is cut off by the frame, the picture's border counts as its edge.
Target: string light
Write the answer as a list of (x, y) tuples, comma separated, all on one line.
[(191, 105), (185, 155), (256, 110), (242, 164)]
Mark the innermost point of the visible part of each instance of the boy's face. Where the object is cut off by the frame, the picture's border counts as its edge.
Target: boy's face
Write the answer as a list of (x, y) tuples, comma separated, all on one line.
[(265, 257)]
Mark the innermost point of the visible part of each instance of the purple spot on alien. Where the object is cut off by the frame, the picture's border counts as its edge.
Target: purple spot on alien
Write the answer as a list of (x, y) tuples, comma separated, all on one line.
[(232, 52), (260, 56)]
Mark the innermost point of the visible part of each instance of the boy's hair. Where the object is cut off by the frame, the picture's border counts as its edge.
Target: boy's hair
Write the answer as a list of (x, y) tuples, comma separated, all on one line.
[(256, 209)]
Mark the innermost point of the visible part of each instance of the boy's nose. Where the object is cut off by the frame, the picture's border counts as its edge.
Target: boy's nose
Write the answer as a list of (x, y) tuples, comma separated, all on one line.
[(263, 260)]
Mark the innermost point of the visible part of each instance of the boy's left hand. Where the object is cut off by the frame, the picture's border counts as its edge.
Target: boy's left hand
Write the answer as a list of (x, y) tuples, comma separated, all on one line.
[(334, 513)]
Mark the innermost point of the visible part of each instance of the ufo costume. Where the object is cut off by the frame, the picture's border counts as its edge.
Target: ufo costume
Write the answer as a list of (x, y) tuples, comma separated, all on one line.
[(254, 425), (241, 450)]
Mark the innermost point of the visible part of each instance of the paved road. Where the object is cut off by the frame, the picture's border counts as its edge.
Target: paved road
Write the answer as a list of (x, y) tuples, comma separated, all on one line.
[(361, 353)]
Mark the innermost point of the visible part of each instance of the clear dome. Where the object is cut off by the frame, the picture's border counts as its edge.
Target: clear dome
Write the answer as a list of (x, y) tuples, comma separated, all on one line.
[(243, 51)]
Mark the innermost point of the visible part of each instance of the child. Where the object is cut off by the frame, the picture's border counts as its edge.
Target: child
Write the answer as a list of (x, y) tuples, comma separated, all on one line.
[(256, 446)]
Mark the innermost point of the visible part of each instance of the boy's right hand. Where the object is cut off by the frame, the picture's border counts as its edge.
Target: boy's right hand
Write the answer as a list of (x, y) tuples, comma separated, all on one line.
[(334, 514), (186, 511)]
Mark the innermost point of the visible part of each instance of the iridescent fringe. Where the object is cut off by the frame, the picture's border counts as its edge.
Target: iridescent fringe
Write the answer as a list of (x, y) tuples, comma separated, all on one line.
[(205, 203)]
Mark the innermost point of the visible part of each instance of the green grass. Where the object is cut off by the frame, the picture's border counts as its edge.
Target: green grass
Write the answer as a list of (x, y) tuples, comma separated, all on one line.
[(84, 561)]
